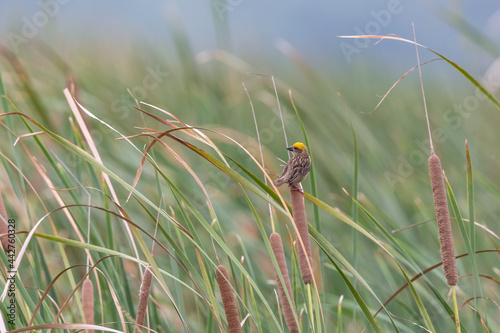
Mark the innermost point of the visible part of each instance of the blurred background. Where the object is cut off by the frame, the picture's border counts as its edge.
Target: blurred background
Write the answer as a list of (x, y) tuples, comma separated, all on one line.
[(253, 29), (196, 58), (192, 58)]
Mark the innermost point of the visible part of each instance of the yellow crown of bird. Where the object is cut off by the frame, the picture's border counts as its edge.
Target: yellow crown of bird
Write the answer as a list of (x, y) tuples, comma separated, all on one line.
[(299, 145)]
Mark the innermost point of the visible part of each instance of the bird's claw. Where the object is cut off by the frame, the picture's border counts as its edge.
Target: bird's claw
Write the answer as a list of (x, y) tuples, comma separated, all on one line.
[(296, 187)]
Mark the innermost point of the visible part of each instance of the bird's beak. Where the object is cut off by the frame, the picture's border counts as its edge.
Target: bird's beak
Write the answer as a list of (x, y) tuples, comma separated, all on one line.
[(290, 148)]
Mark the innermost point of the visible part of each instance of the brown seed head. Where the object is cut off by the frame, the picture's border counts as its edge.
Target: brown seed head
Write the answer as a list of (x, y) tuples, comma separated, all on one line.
[(443, 220), (228, 301), (143, 299), (288, 309), (300, 219), (88, 302)]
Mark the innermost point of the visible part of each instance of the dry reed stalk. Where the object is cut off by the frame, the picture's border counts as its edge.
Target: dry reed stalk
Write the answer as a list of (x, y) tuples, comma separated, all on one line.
[(4, 229), (443, 220), (288, 309), (299, 216), (143, 299), (228, 300), (88, 302)]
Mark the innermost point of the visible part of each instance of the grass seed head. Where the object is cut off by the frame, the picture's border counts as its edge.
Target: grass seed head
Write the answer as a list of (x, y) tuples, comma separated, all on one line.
[(143, 299), (443, 220), (228, 300), (288, 309), (300, 219), (88, 302)]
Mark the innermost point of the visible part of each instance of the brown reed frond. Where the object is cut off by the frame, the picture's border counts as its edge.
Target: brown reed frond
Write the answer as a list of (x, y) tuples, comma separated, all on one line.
[(443, 220), (88, 302), (228, 300), (288, 308), (143, 299), (299, 216)]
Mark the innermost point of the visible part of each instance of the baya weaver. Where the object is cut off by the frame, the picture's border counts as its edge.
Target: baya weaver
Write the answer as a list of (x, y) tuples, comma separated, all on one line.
[(297, 167)]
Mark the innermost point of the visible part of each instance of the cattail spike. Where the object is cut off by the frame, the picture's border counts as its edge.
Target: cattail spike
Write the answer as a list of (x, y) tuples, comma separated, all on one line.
[(88, 302), (443, 220), (228, 300), (143, 299), (288, 309), (299, 216)]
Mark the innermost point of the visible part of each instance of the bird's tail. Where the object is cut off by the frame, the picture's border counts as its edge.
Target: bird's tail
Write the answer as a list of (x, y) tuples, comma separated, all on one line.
[(278, 182)]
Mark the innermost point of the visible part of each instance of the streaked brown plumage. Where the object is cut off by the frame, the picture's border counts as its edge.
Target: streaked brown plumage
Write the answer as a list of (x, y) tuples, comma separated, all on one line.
[(297, 167)]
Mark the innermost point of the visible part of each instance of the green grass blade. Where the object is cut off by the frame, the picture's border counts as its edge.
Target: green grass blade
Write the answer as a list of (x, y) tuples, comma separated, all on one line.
[(256, 179), (235, 261), (344, 218), (467, 242), (270, 252), (364, 308), (12, 138), (474, 35), (470, 200), (355, 188), (460, 221), (418, 301), (392, 240), (471, 79), (339, 315), (445, 306), (109, 252), (5, 107), (233, 174), (472, 229), (334, 254), (255, 309)]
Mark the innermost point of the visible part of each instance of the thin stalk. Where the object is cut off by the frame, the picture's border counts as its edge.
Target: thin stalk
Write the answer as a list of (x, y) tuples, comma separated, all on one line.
[(455, 308)]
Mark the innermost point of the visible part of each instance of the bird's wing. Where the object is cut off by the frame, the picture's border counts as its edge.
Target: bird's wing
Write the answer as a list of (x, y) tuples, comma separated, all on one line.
[(296, 174), (306, 167), (299, 170), (285, 169)]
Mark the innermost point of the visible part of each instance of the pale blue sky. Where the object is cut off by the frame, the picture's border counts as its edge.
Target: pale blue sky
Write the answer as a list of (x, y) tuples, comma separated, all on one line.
[(255, 27)]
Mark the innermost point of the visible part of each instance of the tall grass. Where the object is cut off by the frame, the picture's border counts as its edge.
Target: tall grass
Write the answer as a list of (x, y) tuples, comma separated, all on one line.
[(191, 149), (4, 229)]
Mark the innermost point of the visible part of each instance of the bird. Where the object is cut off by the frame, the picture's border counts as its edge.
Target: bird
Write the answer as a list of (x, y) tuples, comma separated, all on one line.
[(297, 167)]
